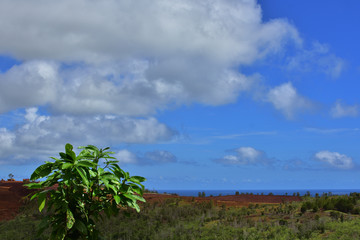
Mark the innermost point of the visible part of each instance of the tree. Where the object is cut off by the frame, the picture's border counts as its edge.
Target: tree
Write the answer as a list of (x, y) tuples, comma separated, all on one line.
[(11, 176), (77, 190)]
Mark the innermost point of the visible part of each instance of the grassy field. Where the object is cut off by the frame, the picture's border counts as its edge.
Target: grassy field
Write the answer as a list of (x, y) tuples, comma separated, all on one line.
[(325, 217)]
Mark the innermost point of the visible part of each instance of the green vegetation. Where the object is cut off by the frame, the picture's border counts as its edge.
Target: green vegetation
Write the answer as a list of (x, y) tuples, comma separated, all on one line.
[(77, 189), (11, 176), (345, 204), (176, 218)]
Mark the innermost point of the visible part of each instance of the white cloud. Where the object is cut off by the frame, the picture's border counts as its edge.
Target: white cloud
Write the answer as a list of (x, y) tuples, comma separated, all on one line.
[(286, 99), (43, 136), (29, 84), (132, 58), (160, 157), (7, 139), (318, 58), (335, 159), (124, 156), (341, 110), (148, 158), (249, 154), (246, 156), (97, 31)]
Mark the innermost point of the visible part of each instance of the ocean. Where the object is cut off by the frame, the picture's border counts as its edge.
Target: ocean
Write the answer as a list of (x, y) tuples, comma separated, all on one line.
[(289, 192)]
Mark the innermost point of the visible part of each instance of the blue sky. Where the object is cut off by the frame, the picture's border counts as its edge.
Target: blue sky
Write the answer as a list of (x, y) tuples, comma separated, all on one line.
[(190, 94)]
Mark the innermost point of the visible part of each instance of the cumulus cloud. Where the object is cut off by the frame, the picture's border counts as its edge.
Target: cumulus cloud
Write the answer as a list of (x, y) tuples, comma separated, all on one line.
[(42, 136), (126, 157), (29, 84), (318, 58), (245, 156), (132, 58), (335, 159), (98, 31), (147, 158), (340, 110), (286, 99)]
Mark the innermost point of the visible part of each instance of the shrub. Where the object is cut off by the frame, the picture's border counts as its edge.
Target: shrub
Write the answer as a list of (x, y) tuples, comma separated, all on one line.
[(79, 189)]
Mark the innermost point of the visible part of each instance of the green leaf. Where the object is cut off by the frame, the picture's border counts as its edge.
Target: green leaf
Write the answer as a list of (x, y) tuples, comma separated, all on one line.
[(80, 225), (67, 165), (92, 173), (92, 148), (82, 174), (134, 197), (69, 151), (139, 198), (86, 163), (33, 185), (70, 220), (137, 179), (136, 206), (109, 176), (100, 171), (56, 159), (42, 171), (124, 188), (106, 182), (111, 162), (64, 156), (117, 199), (119, 173), (137, 189), (41, 201), (34, 196), (113, 188)]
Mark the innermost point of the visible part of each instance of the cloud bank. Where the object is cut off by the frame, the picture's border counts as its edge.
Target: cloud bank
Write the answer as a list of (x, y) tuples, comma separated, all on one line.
[(132, 58), (103, 69), (41, 136)]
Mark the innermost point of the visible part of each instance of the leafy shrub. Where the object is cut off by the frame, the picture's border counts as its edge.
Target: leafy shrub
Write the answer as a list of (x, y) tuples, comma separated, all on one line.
[(77, 189)]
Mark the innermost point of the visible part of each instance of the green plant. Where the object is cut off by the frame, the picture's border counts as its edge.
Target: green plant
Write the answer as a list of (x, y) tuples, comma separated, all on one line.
[(77, 190)]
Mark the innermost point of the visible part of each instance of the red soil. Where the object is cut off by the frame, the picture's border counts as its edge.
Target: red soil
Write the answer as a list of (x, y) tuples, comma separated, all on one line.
[(12, 193), (229, 200)]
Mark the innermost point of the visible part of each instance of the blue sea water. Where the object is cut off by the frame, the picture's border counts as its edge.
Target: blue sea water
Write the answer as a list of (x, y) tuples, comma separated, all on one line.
[(289, 192)]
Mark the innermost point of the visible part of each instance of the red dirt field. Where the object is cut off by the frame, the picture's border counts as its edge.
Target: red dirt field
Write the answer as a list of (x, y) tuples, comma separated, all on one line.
[(229, 200), (11, 194)]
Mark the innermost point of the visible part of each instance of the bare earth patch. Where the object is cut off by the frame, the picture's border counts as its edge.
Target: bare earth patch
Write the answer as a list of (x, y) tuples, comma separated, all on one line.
[(11, 194)]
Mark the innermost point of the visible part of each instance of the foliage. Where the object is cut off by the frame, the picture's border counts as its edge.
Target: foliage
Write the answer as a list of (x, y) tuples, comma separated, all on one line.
[(344, 204), (186, 218), (77, 190), (176, 218), (201, 194)]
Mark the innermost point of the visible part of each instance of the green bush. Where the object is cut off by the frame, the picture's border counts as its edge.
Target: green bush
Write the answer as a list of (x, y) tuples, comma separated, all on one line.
[(78, 188)]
